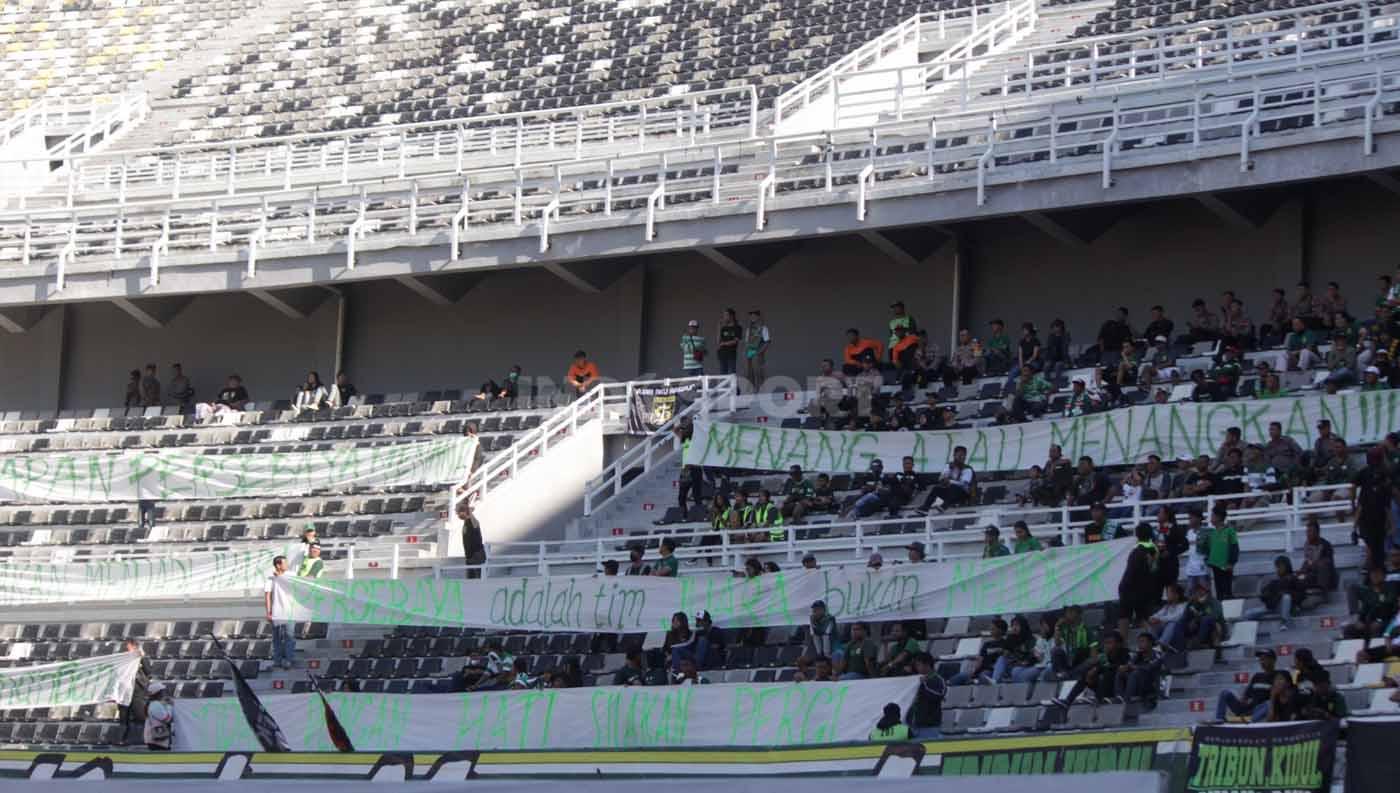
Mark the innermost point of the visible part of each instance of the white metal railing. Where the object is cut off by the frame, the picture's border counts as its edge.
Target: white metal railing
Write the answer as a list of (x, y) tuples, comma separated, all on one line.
[(1276, 524), (52, 111), (1112, 62), (397, 150), (1195, 119)]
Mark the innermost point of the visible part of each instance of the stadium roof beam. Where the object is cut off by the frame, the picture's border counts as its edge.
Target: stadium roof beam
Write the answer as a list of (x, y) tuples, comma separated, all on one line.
[(592, 275), (1078, 228), (153, 312), (19, 319), (1243, 209), (749, 261), (908, 246), (293, 303), (441, 290)]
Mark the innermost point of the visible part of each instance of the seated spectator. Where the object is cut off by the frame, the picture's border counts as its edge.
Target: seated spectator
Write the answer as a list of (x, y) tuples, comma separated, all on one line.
[(1071, 651), (1225, 375), (861, 657), (797, 495), (582, 374), (668, 566), (1271, 333), (900, 652), (1203, 325), (822, 636), (988, 657), (766, 515), (1168, 623), (133, 390), (1205, 619), (1158, 324), (180, 391), (898, 489), (1030, 396), (636, 566), (1376, 606), (1319, 569), (1022, 541), (311, 566), (232, 399), (992, 546), (508, 388), (831, 401), (1308, 308), (967, 362), (610, 568), (1138, 682), (1283, 699), (680, 640), (1090, 485), (1237, 330), (902, 354), (1100, 677), (150, 387), (342, 391), (688, 674), (1081, 400), (809, 561), (868, 502), (1112, 334), (856, 348), (926, 716), (954, 488), (1341, 362), (1018, 662), (312, 396), (890, 727), (821, 672), (1282, 453), (1270, 387), (709, 641), (1300, 346), (1323, 702), (997, 349), (1279, 595), (1371, 380), (1254, 702), (1097, 529)]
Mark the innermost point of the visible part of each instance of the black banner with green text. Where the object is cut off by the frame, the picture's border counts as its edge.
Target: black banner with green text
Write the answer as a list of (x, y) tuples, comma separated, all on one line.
[(1294, 757)]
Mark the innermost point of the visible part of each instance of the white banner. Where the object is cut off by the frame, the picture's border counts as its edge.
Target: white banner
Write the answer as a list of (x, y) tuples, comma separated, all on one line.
[(89, 681), (1026, 582), (1115, 437), (173, 474), (137, 577), (603, 717)]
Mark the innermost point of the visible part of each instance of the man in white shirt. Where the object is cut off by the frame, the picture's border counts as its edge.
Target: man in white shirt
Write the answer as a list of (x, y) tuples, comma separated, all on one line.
[(284, 642), (954, 488)]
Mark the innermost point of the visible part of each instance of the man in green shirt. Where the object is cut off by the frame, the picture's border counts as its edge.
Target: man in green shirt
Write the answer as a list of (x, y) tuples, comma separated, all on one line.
[(994, 547), (998, 349), (1072, 643), (1222, 552), (1024, 542), (692, 350), (861, 657), (633, 671), (1031, 395), (668, 566), (797, 495), (311, 565), (900, 658)]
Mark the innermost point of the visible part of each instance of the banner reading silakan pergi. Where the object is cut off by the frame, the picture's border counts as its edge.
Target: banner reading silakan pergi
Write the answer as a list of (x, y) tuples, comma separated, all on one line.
[(603, 717), (654, 405), (1291, 757), (1021, 583), (88, 681), (1115, 437), (170, 474), (136, 577)]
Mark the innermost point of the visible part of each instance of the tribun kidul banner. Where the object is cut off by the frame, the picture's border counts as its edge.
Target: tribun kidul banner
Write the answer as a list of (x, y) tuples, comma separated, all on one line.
[(603, 717), (1025, 582), (137, 577), (170, 474), (1114, 437), (88, 681)]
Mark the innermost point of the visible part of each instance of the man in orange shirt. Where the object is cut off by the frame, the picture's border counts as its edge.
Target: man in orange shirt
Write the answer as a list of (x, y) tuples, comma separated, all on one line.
[(902, 354), (856, 348), (582, 374)]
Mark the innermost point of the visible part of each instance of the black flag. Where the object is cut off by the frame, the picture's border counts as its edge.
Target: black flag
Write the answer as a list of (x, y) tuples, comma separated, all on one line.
[(339, 738), (262, 724)]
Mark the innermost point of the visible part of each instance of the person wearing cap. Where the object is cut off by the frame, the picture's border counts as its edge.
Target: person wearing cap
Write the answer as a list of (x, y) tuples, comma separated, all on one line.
[(311, 565), (899, 318), (993, 547), (582, 374), (1371, 380), (757, 340), (692, 350), (822, 636), (917, 554), (160, 716), (1081, 400), (857, 347)]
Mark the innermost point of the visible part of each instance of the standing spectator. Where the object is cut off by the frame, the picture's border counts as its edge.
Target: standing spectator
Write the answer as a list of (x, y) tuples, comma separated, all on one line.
[(992, 546), (1222, 550), (857, 347), (692, 350), (160, 716), (133, 715), (1197, 571), (133, 389), (1375, 606), (1254, 703), (1054, 354), (150, 387), (311, 565), (967, 362), (1371, 502), (232, 399), (954, 487), (473, 544), (312, 396), (180, 391), (343, 390), (1279, 594), (582, 374), (1139, 589), (900, 319), (727, 349), (926, 716), (691, 484), (284, 642), (757, 340)]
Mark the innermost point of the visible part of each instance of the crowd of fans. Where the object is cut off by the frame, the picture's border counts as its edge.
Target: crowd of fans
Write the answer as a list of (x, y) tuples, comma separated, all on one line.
[(308, 399)]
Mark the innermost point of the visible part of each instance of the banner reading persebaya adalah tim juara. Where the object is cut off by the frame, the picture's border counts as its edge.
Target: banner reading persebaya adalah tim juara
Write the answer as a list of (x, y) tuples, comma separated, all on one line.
[(1026, 582), (87, 681), (173, 474), (1115, 437)]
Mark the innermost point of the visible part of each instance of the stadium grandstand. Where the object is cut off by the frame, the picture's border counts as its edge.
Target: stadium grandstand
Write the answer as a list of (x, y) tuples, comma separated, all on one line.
[(547, 388)]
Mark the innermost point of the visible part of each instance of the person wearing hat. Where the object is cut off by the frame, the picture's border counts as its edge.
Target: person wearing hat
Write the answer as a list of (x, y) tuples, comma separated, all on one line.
[(993, 547), (160, 716), (1081, 400), (1371, 380), (709, 640), (311, 565), (692, 350), (916, 552), (899, 318), (582, 374)]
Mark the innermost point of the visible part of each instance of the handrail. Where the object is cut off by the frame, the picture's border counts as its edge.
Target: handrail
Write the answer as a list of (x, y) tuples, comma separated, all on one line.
[(765, 189), (550, 210), (65, 256), (653, 200), (160, 248), (867, 176), (982, 163), (258, 237)]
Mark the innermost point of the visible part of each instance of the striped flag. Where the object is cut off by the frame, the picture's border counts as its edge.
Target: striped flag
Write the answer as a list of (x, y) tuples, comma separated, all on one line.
[(339, 738)]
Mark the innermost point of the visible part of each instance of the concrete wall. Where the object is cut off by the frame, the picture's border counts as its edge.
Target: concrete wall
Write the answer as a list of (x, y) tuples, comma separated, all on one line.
[(395, 340)]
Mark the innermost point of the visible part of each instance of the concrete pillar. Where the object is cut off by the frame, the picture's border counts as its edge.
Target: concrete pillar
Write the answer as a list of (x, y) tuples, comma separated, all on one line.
[(51, 342)]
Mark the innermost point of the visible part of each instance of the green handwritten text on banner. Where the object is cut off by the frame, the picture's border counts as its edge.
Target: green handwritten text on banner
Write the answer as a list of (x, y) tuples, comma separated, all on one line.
[(172, 474), (136, 577), (1113, 437), (1025, 582), (604, 717), (87, 681)]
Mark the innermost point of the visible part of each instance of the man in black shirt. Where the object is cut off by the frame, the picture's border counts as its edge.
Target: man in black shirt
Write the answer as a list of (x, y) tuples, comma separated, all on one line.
[(1370, 501), (1323, 703), (1255, 702), (1159, 325), (1090, 485), (899, 488), (1101, 676), (1112, 334), (1139, 590), (926, 717)]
